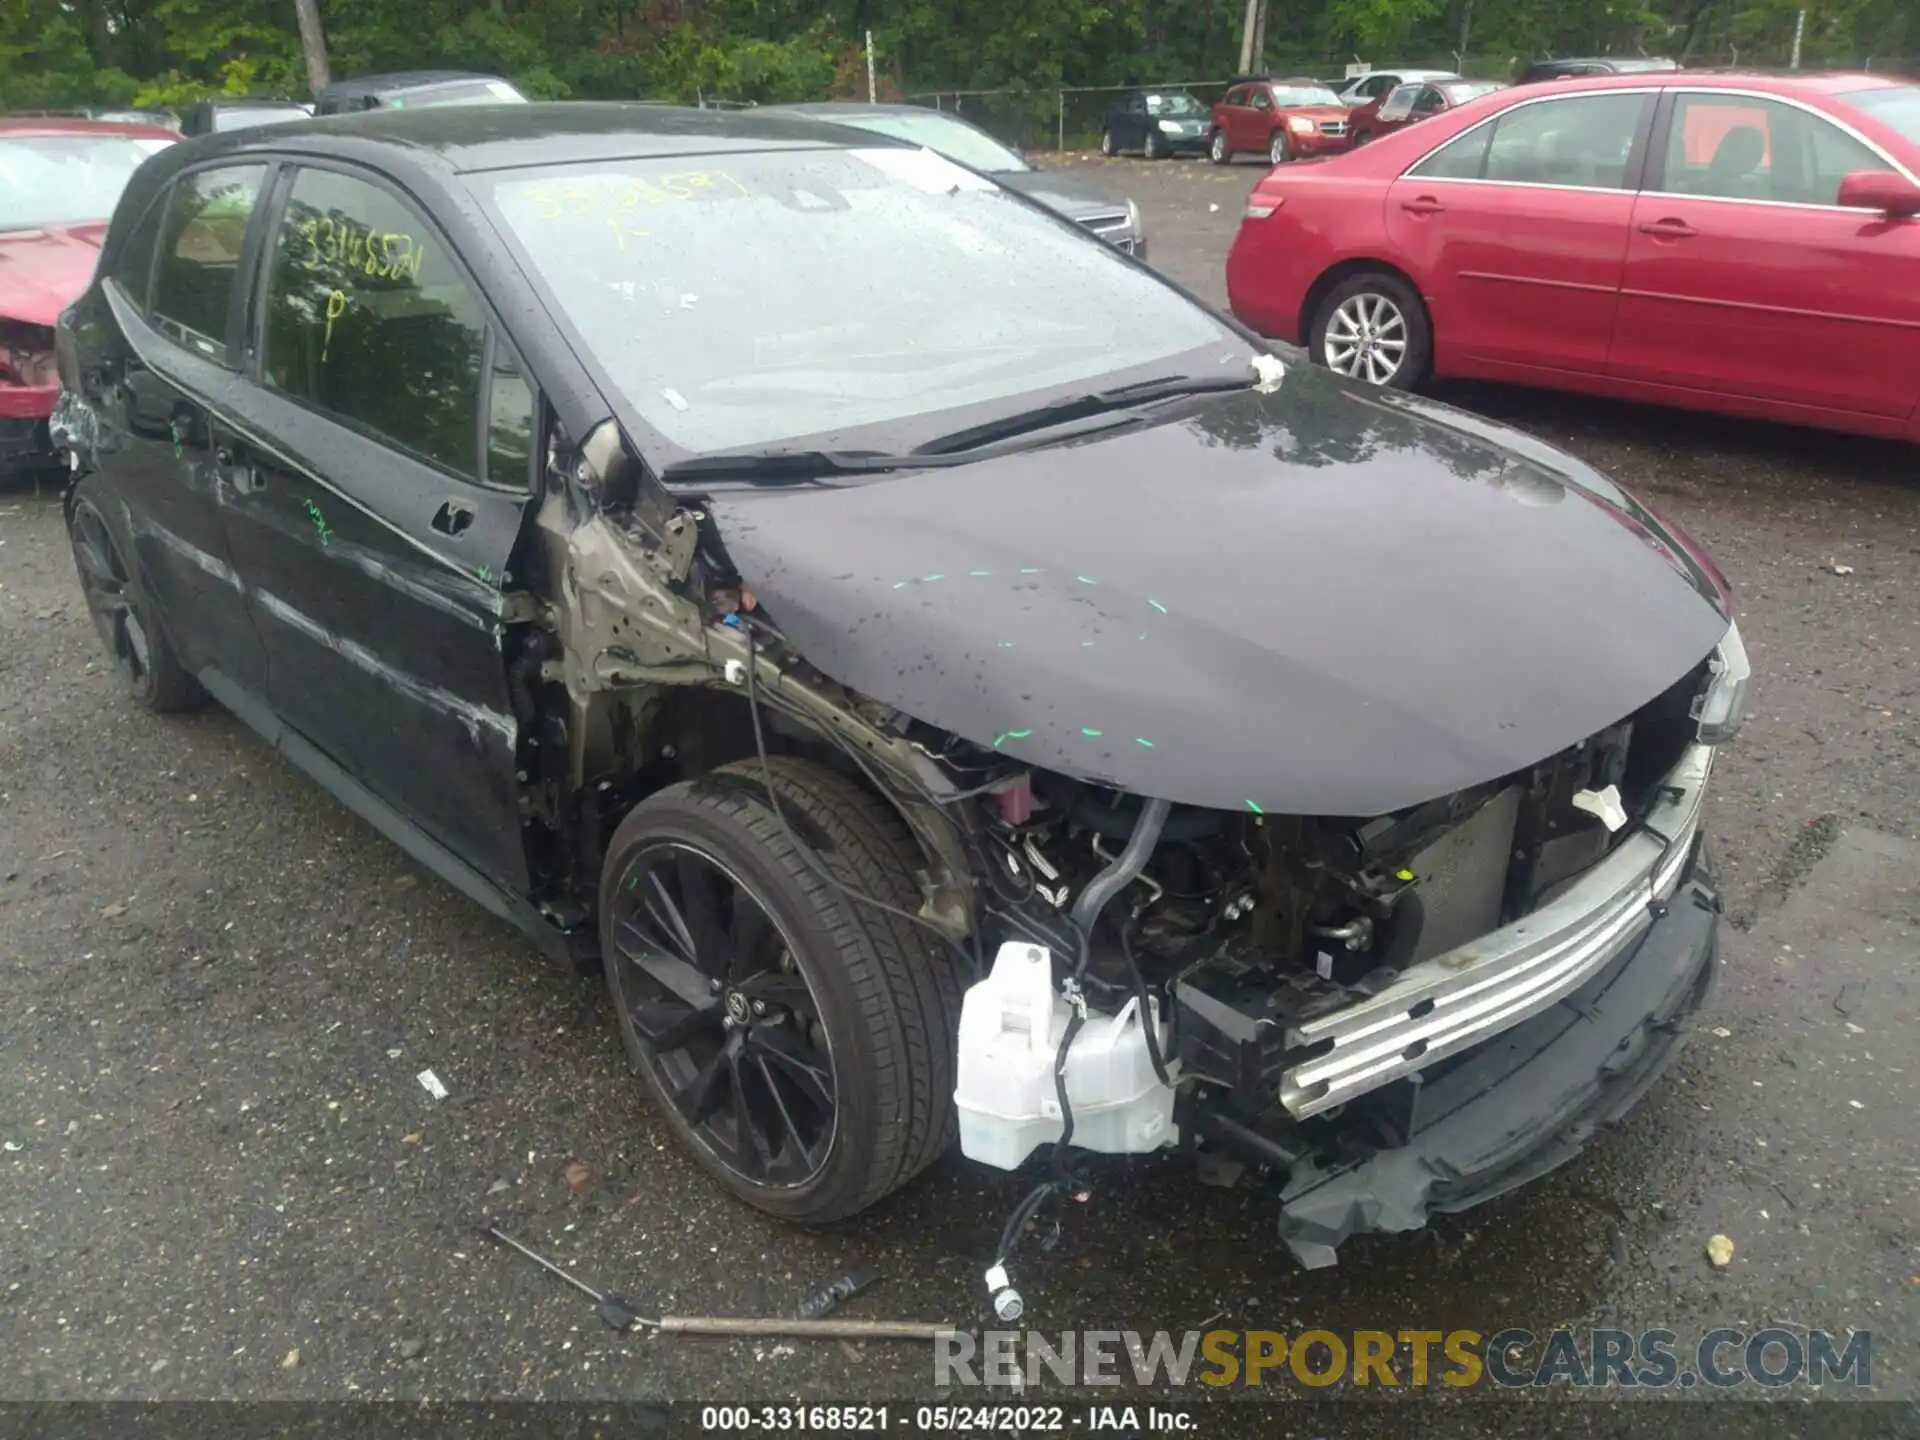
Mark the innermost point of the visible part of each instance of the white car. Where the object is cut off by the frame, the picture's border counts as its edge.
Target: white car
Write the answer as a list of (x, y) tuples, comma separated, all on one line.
[(1375, 83)]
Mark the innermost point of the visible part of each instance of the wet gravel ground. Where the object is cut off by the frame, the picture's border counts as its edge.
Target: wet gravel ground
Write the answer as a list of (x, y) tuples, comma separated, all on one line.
[(222, 1179)]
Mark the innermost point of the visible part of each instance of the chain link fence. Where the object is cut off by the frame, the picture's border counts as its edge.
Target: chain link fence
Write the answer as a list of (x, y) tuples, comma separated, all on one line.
[(1070, 117)]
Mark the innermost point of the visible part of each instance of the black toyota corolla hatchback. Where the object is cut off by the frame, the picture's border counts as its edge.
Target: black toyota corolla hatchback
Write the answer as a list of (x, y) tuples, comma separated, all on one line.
[(950, 680)]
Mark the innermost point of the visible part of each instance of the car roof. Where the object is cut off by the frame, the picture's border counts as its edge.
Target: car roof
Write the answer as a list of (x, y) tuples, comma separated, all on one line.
[(463, 138), (397, 80), (1408, 72), (64, 125), (1624, 64), (250, 102), (1795, 82)]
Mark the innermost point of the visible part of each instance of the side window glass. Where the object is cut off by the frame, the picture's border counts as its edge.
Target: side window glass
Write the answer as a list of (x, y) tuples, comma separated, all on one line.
[(1427, 101), (1829, 155), (200, 244), (133, 269), (368, 320), (1462, 158), (1262, 100), (509, 424), (1397, 103), (1583, 140), (1720, 146)]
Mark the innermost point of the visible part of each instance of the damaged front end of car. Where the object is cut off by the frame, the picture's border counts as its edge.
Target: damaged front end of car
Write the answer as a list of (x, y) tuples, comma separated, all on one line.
[(1382, 1010)]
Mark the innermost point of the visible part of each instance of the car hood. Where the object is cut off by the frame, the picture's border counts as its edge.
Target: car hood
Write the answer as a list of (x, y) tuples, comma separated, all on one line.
[(42, 271), (1318, 112), (1323, 600), (1075, 199)]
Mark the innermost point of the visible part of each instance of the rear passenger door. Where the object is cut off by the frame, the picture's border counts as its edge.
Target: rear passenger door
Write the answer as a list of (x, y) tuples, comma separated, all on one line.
[(386, 459), (1516, 230), (157, 379), (1745, 278)]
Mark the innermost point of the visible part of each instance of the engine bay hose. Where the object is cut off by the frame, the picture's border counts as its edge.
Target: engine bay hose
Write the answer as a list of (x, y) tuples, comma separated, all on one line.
[(1126, 866)]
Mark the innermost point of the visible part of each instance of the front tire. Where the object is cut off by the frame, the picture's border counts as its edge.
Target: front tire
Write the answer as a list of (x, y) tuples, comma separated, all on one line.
[(1219, 150), (1156, 146), (1279, 148), (125, 616), (1107, 146), (799, 1042), (1373, 327)]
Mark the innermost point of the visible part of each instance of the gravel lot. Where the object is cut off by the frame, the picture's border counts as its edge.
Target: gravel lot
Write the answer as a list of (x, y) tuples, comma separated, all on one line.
[(221, 1178)]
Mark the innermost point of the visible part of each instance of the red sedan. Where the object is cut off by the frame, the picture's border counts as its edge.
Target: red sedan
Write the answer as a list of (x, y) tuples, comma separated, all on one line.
[(1739, 243), (61, 179), (1280, 119), (1417, 100)]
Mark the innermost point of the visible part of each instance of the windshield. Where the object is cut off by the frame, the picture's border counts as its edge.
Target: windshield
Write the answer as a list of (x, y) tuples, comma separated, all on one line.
[(1175, 106), (467, 92), (1286, 96), (762, 297), (1459, 92), (245, 117), (955, 139), (67, 179), (1897, 107)]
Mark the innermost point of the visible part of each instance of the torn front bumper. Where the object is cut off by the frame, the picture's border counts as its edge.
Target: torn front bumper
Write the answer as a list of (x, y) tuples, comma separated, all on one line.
[(1526, 1100), (1455, 1000)]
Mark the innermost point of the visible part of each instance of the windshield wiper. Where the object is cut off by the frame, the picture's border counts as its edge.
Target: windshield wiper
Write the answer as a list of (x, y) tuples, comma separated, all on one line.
[(783, 467), (1074, 407)]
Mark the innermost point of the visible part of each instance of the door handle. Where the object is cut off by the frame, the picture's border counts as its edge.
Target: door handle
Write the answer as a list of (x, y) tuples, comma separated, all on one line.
[(1668, 229), (245, 479), (1422, 205), (452, 518)]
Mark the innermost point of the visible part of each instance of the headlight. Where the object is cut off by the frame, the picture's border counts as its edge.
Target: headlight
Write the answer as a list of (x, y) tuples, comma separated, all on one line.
[(1171, 127), (1301, 125), (1723, 704)]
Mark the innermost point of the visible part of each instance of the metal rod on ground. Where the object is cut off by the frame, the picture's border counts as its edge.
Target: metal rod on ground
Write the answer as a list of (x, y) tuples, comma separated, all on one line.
[(802, 1329), (620, 1315)]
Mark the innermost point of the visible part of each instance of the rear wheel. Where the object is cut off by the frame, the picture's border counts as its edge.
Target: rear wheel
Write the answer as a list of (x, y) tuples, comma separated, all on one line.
[(1218, 150), (1279, 149), (124, 615), (1107, 147), (1372, 327), (800, 1043)]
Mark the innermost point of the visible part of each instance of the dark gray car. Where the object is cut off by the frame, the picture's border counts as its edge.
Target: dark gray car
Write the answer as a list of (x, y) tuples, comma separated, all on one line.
[(1114, 220)]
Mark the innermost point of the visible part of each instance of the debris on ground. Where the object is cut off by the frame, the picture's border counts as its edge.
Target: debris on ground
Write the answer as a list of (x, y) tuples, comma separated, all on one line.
[(113, 911), (430, 1082), (411, 1347), (292, 1362), (1720, 1252), (577, 1175), (1834, 567), (1722, 1032), (829, 1299)]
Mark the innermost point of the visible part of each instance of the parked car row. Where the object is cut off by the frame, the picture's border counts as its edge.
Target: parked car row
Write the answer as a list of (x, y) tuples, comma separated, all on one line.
[(1300, 118), (739, 550)]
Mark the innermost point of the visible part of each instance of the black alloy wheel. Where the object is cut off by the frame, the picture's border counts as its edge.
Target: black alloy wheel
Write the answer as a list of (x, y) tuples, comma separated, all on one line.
[(122, 615), (732, 1030), (799, 1043)]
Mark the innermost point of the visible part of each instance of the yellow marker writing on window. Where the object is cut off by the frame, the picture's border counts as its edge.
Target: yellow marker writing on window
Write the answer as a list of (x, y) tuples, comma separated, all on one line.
[(336, 307)]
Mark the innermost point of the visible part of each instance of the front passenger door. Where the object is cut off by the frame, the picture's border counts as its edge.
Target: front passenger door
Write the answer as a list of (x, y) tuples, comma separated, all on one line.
[(384, 467), (1744, 277)]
